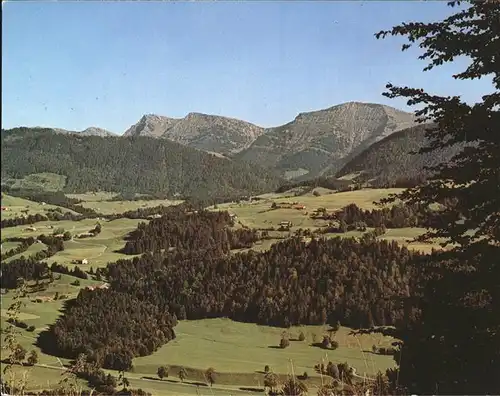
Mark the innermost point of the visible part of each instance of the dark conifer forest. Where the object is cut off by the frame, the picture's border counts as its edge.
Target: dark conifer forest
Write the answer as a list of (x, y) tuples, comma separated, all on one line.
[(185, 272), (129, 164), (395, 161)]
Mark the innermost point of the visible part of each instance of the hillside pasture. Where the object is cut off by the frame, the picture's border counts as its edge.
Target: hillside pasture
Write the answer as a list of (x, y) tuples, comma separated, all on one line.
[(99, 250), (16, 205), (116, 207), (239, 351), (39, 309), (364, 198), (6, 246), (41, 378), (35, 248), (48, 375), (258, 214), (90, 196)]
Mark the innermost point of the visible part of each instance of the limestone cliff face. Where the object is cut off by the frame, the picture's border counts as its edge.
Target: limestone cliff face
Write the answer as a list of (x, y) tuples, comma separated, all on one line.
[(315, 143), (322, 140), (211, 133), (151, 125), (91, 131)]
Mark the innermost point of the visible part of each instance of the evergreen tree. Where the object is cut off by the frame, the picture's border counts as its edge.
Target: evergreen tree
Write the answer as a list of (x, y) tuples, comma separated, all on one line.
[(459, 327)]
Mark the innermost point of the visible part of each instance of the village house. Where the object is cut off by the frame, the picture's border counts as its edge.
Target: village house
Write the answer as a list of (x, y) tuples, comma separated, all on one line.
[(155, 216), (85, 235), (285, 225), (103, 286)]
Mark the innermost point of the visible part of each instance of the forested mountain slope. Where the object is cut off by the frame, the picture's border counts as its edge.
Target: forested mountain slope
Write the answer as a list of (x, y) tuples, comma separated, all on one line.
[(321, 140), (128, 164), (391, 159)]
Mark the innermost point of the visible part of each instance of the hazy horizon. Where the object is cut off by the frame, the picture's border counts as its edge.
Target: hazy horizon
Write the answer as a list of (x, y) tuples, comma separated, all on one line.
[(73, 65)]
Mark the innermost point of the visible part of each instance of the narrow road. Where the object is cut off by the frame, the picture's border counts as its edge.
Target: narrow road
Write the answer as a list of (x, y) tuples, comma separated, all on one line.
[(91, 245)]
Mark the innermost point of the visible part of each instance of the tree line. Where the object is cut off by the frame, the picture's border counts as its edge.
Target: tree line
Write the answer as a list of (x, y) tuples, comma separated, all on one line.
[(292, 283), (25, 243), (188, 231), (56, 198), (112, 328), (396, 216), (32, 268)]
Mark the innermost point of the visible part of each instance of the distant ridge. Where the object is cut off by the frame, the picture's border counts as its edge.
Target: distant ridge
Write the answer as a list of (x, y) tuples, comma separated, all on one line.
[(217, 134), (320, 141), (134, 164), (91, 131), (151, 125), (391, 158), (317, 143)]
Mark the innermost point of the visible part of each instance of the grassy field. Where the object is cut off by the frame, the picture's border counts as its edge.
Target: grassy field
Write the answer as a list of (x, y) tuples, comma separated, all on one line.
[(41, 314), (6, 246), (237, 351), (243, 349), (36, 247), (16, 205), (98, 250), (41, 181), (112, 207), (403, 235), (258, 214), (93, 196), (97, 201)]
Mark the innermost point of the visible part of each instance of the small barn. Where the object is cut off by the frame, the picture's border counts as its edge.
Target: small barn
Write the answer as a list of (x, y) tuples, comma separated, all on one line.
[(285, 225)]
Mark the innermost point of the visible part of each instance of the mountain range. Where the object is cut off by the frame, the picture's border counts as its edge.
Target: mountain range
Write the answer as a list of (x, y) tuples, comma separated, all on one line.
[(91, 131), (372, 141), (320, 141), (212, 133), (310, 145)]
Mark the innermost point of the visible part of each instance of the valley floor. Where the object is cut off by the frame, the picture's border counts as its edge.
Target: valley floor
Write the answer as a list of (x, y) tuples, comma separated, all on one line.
[(237, 351)]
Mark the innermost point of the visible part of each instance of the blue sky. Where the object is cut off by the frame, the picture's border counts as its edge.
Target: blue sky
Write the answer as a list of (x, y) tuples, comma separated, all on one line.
[(78, 64)]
